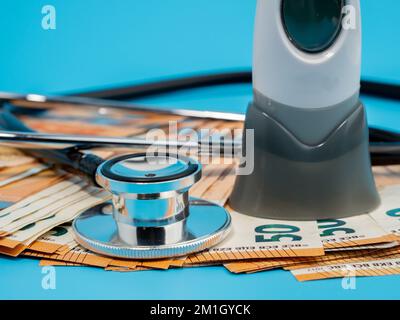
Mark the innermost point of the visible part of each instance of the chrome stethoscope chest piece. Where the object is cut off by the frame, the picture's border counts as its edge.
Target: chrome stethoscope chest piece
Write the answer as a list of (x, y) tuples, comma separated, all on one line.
[(151, 215)]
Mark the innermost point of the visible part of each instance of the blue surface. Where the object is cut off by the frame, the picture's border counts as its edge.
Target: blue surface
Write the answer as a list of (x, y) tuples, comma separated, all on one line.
[(102, 43), (22, 279)]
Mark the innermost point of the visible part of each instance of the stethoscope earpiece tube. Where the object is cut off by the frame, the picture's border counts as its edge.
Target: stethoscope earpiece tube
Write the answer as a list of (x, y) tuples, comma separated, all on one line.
[(69, 157), (385, 159), (379, 135)]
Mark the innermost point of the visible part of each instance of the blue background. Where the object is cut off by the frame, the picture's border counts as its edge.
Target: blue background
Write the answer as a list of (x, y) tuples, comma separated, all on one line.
[(102, 44)]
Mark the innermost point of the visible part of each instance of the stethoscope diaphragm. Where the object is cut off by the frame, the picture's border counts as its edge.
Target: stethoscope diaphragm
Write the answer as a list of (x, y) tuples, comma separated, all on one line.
[(151, 215)]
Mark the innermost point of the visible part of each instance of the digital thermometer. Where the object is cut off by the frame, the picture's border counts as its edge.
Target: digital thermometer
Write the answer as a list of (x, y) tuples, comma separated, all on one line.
[(311, 136)]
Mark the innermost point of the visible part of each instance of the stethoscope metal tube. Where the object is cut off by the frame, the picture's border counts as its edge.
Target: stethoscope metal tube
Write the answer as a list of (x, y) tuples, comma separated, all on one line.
[(33, 140), (54, 141), (48, 101)]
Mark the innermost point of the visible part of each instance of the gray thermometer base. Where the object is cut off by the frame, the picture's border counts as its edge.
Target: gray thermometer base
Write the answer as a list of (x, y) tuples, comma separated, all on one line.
[(295, 181)]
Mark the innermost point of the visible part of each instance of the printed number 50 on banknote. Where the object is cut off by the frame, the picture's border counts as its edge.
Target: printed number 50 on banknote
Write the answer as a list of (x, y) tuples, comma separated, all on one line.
[(264, 238)]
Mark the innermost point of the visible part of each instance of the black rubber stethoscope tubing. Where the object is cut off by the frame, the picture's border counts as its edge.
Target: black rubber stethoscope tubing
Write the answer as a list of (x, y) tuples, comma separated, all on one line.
[(379, 89), (72, 157)]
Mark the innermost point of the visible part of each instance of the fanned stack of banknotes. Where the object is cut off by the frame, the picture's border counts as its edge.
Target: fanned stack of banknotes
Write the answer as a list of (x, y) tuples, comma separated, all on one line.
[(38, 203)]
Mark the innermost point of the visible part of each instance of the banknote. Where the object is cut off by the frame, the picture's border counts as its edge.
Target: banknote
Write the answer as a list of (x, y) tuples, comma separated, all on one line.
[(160, 264), (21, 189), (85, 122), (216, 183), (351, 232), (42, 208), (372, 268), (62, 183), (59, 246), (178, 262), (13, 174), (85, 257), (65, 248), (58, 240), (122, 269), (255, 238), (89, 121), (221, 189), (48, 262), (347, 258), (18, 241), (10, 157), (91, 196), (386, 176), (343, 237), (189, 264), (40, 211), (166, 264), (76, 255), (257, 265), (385, 245), (297, 263), (379, 227), (387, 216)]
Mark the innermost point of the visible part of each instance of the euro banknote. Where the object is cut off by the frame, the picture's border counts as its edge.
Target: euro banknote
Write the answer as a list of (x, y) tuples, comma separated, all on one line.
[(13, 174), (42, 208), (386, 176), (255, 238), (351, 232), (84, 257), (21, 189), (293, 263), (10, 157), (216, 183), (348, 258), (59, 245), (47, 262), (59, 240), (372, 268), (387, 216), (385, 245), (18, 241)]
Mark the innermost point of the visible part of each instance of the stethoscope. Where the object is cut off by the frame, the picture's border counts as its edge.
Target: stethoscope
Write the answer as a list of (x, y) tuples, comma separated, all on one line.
[(151, 214)]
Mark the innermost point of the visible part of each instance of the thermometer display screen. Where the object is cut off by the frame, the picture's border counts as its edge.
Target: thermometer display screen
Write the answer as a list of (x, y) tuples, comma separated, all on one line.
[(312, 25)]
